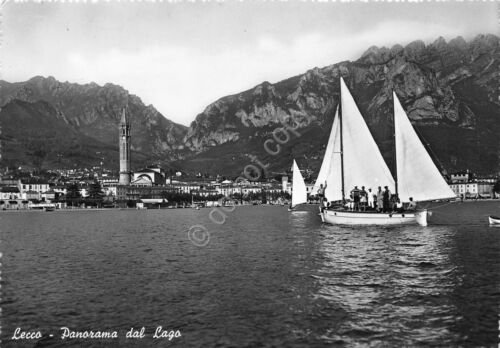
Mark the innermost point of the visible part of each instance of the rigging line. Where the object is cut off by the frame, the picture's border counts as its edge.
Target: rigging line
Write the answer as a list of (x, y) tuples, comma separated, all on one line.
[(341, 116)]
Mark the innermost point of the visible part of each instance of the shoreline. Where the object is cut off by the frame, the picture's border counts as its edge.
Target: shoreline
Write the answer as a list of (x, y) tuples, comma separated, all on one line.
[(130, 209), (239, 205)]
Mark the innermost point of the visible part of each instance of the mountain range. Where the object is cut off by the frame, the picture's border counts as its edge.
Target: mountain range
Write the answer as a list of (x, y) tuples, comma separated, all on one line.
[(49, 123), (449, 90)]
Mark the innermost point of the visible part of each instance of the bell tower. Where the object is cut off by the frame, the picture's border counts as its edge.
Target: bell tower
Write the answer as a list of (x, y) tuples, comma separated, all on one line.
[(125, 173)]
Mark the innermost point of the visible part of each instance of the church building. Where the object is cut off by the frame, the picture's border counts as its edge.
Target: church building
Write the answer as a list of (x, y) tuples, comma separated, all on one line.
[(125, 173)]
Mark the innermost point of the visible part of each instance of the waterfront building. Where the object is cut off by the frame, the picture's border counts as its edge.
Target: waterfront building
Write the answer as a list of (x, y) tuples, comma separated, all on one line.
[(32, 184), (467, 184), (485, 189), (468, 189), (48, 196), (186, 187), (31, 195), (227, 190), (206, 192), (60, 189), (134, 193), (250, 189), (9, 192)]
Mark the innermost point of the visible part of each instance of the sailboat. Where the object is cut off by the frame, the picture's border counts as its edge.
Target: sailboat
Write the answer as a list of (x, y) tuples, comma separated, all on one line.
[(299, 190), (353, 159)]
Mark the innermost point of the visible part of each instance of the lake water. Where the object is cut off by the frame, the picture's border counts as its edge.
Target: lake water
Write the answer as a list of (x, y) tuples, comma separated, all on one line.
[(267, 278)]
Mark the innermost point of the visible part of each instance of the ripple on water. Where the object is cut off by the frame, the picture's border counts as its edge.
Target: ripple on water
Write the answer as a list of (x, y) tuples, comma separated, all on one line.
[(267, 278)]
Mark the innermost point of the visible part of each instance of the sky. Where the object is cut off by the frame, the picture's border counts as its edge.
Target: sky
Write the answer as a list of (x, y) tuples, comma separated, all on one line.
[(182, 56)]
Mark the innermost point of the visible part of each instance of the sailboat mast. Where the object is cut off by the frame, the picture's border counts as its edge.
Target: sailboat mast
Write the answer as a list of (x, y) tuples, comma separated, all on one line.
[(395, 153), (341, 148)]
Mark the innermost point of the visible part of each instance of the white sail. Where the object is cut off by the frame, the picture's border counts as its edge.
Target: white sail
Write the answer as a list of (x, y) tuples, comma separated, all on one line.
[(299, 190), (327, 159), (363, 162), (333, 191), (417, 175)]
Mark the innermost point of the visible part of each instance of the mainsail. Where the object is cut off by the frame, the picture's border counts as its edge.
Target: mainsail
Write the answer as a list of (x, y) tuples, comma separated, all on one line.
[(333, 191), (299, 190), (417, 175), (326, 165), (363, 162)]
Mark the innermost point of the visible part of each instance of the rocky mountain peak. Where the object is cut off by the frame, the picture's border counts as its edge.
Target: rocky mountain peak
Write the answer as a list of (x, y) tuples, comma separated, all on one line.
[(415, 49), (458, 43), (439, 43), (396, 50), (376, 55)]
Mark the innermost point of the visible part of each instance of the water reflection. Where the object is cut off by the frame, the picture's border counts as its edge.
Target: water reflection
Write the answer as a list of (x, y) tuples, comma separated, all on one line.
[(390, 281)]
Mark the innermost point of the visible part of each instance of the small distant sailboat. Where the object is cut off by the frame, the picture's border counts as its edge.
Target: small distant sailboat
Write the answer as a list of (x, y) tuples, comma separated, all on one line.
[(299, 190), (494, 220), (352, 158)]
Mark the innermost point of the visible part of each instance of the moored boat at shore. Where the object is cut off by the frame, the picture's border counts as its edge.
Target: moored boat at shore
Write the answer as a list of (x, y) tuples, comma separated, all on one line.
[(494, 220)]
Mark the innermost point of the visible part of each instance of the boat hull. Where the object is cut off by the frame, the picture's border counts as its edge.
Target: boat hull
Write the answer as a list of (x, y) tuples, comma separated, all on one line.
[(336, 217), (494, 220)]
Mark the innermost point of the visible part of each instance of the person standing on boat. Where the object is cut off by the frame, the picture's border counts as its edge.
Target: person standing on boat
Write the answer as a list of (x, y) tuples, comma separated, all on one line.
[(380, 199), (371, 199), (386, 200), (355, 197), (321, 194), (363, 198)]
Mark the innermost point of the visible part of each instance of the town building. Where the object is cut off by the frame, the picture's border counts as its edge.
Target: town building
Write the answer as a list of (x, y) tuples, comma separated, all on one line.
[(227, 190), (186, 187), (466, 189), (149, 176), (33, 184), (460, 177), (466, 184), (31, 195), (485, 189), (48, 196), (10, 193), (134, 193)]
